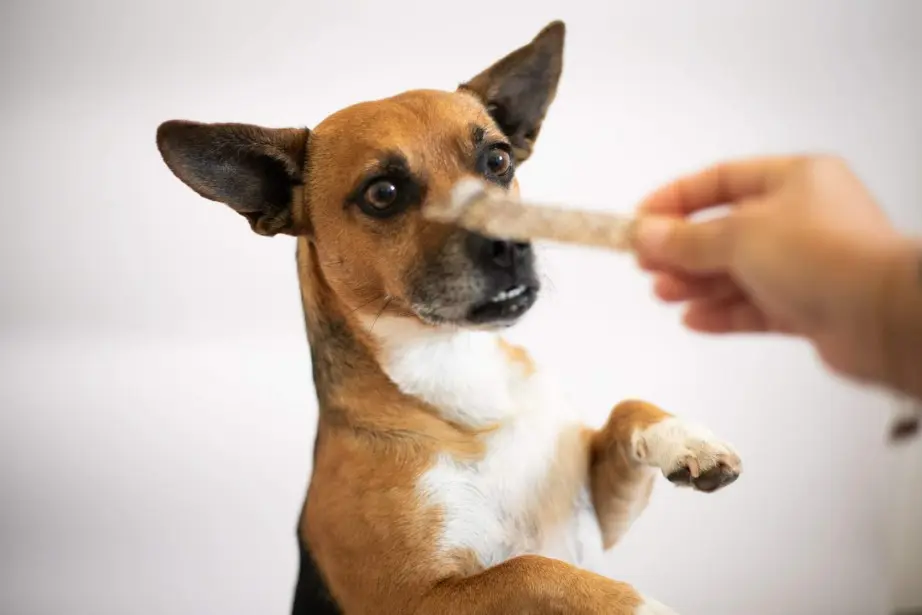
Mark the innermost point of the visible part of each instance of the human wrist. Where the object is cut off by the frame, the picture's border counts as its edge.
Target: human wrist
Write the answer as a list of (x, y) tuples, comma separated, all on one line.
[(898, 317)]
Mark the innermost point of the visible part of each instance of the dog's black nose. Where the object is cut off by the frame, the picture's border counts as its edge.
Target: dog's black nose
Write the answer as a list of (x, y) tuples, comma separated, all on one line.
[(506, 262), (508, 254)]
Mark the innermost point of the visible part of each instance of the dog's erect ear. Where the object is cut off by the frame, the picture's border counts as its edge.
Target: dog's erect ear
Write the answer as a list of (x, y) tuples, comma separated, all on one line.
[(252, 169), (518, 89)]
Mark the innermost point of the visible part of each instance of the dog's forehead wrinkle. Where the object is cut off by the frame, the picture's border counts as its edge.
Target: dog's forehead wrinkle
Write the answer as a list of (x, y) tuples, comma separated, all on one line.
[(411, 120)]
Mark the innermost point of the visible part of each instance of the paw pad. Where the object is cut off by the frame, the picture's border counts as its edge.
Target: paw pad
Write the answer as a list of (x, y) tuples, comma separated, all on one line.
[(689, 474)]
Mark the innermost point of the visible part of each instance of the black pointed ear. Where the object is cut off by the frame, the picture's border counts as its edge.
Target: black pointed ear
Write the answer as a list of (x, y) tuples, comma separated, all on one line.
[(518, 89), (252, 169)]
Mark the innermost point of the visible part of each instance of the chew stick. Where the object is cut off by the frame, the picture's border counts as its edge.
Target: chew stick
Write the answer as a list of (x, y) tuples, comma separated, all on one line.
[(477, 208)]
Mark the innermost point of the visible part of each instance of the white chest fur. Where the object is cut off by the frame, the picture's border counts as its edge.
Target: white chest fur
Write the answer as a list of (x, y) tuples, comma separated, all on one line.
[(528, 493)]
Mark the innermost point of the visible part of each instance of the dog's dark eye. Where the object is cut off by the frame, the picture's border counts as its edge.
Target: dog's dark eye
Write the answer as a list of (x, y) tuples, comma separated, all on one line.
[(389, 188), (381, 194), (498, 162)]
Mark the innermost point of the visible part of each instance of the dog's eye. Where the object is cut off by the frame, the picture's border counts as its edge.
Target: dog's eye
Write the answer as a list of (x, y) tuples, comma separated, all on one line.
[(381, 194), (385, 196), (498, 162)]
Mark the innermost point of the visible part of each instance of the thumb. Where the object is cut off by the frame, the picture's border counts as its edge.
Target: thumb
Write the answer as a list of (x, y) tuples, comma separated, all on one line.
[(699, 247)]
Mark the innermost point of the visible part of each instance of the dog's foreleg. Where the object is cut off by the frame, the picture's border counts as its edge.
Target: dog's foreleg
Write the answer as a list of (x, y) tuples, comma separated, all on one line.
[(639, 441), (537, 586)]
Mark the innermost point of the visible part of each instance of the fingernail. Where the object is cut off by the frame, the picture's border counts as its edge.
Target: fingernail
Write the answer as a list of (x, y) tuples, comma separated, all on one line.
[(650, 233)]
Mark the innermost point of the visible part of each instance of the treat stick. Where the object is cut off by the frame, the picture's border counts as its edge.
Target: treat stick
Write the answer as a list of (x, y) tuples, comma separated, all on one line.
[(474, 206)]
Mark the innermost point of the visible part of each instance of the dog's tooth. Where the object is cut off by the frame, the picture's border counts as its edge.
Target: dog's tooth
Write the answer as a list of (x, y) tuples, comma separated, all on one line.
[(511, 293)]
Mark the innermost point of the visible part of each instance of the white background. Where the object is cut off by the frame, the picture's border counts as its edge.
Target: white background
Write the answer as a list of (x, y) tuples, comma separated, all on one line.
[(157, 409)]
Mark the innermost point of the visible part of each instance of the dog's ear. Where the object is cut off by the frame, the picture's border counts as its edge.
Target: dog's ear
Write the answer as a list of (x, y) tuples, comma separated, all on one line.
[(518, 89), (252, 169)]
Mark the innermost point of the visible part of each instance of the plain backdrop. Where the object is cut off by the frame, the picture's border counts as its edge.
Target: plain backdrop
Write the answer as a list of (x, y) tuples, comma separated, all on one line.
[(157, 405)]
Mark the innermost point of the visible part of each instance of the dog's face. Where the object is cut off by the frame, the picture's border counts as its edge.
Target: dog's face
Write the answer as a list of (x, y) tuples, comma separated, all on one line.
[(356, 185)]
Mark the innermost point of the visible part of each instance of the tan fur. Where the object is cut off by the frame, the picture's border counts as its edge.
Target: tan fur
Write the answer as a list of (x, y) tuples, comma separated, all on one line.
[(621, 487), (518, 356), (530, 584)]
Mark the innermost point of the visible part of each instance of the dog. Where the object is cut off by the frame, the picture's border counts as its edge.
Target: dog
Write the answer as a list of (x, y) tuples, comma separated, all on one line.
[(448, 474)]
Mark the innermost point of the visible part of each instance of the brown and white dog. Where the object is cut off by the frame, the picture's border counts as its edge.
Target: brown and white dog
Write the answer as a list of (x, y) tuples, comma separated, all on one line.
[(448, 476)]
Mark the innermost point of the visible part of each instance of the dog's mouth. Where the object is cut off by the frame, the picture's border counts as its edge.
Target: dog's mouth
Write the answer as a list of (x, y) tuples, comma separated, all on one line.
[(505, 306)]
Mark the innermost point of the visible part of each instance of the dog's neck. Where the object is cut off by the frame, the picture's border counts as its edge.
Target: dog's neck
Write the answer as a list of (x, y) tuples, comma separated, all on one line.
[(393, 368), (465, 374)]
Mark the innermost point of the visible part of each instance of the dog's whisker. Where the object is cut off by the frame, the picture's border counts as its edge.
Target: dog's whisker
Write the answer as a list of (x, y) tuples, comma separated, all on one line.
[(384, 307), (367, 303), (550, 282)]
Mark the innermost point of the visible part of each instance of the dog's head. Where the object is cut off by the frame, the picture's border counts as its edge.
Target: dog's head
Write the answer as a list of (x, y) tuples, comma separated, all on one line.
[(355, 186)]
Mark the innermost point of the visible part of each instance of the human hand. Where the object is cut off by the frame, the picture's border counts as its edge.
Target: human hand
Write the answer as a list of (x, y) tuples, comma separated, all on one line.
[(803, 249)]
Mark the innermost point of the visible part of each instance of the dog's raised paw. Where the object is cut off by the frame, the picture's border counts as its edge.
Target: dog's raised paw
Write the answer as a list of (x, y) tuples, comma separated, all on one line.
[(688, 455)]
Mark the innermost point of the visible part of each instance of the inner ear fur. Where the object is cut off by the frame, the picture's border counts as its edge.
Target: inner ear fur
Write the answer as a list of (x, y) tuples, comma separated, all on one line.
[(253, 170), (518, 89)]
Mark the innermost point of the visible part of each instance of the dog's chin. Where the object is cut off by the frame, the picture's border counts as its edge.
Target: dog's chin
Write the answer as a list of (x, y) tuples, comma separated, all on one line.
[(499, 310)]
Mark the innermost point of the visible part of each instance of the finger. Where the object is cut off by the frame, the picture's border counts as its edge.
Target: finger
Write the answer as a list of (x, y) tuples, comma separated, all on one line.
[(700, 247), (648, 265), (674, 287), (737, 316), (720, 184), (732, 314)]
